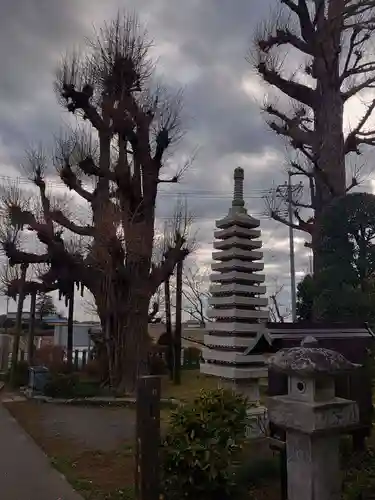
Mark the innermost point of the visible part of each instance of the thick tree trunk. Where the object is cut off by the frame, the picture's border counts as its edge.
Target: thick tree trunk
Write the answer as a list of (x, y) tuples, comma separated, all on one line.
[(329, 152), (125, 332), (330, 158), (133, 354)]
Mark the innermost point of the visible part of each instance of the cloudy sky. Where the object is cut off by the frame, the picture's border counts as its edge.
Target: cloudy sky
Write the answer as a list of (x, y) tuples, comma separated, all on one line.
[(200, 46)]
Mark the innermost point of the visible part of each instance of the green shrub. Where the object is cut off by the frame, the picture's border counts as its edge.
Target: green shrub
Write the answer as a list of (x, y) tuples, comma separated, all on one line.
[(86, 389), (359, 475), (61, 385), (21, 375), (199, 452)]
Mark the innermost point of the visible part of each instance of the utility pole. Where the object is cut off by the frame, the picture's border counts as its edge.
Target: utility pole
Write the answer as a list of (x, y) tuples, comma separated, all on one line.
[(291, 250), (286, 193)]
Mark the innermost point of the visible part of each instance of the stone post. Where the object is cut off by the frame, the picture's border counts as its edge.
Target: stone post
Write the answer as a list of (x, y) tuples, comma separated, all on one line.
[(313, 419)]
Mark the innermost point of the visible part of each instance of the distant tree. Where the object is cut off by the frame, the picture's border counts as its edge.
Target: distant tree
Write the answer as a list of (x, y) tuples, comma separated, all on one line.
[(195, 293), (305, 298), (344, 288), (44, 306), (277, 312)]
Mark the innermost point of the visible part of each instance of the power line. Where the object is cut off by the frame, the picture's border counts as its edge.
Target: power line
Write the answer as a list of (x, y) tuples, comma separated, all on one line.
[(204, 193)]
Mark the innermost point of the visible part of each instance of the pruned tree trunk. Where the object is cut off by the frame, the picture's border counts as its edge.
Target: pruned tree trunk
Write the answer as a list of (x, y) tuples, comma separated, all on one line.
[(168, 326), (18, 326), (30, 339), (178, 326), (69, 350)]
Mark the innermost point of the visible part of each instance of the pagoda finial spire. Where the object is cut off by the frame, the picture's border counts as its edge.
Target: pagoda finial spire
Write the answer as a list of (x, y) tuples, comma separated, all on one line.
[(238, 200)]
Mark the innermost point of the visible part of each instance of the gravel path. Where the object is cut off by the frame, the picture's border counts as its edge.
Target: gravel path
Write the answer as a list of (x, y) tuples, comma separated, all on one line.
[(97, 428)]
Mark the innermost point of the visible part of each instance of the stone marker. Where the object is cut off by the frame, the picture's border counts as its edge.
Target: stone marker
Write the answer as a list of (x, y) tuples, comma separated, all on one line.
[(313, 419)]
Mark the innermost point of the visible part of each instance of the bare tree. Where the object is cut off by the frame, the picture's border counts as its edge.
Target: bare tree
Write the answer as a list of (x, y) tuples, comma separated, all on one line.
[(179, 228), (195, 293), (116, 170), (278, 314), (331, 61)]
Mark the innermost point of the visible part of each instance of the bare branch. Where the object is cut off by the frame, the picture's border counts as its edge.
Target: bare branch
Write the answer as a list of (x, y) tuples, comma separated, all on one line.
[(195, 293), (61, 219), (178, 244), (293, 89), (292, 127)]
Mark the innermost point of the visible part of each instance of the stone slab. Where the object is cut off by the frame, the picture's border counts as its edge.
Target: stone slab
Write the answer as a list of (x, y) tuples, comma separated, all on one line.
[(314, 417)]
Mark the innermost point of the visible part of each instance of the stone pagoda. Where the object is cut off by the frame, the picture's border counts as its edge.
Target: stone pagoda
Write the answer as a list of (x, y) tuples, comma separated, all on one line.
[(237, 337)]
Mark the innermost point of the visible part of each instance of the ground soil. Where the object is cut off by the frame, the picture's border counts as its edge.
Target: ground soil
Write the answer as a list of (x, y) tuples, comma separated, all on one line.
[(94, 446)]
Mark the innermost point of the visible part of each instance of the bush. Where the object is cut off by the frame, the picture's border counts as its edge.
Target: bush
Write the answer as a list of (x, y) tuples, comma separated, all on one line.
[(203, 441), (52, 357), (86, 389), (61, 385), (21, 376), (93, 369)]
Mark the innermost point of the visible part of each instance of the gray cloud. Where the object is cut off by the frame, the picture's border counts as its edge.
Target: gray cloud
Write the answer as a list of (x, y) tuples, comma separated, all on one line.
[(201, 46)]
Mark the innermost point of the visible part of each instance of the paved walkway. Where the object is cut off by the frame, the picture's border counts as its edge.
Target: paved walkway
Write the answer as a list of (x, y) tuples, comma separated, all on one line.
[(25, 471)]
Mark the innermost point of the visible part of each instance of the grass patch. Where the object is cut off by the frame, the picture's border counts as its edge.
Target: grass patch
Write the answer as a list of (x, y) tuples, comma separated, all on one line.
[(192, 381)]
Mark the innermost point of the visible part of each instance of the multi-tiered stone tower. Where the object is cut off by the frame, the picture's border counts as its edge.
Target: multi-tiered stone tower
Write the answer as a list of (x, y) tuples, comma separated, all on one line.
[(237, 336)]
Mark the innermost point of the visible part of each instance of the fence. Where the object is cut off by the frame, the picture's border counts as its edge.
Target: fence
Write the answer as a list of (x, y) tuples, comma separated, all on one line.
[(189, 360)]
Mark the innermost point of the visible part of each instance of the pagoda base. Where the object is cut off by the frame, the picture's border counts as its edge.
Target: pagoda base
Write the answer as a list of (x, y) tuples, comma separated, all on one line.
[(233, 372)]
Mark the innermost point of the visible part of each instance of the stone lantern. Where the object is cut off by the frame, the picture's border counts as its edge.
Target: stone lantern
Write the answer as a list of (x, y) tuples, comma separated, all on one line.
[(313, 419)]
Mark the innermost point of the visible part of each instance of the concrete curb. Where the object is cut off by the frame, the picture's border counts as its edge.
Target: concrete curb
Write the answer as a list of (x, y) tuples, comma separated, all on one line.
[(98, 401)]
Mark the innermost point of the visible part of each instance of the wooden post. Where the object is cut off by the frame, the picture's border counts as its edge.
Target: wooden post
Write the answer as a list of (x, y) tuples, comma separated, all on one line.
[(18, 327), (147, 482), (69, 350), (76, 359), (178, 327), (30, 338), (84, 358)]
